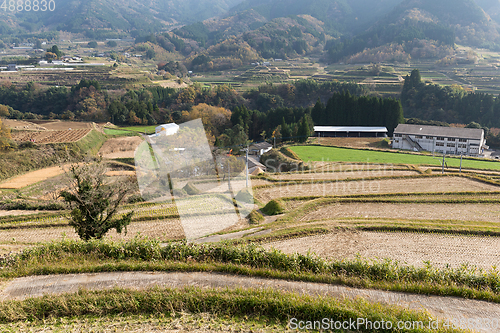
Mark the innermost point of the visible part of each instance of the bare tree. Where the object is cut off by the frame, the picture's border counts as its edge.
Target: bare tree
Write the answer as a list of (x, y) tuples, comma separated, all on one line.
[(94, 199)]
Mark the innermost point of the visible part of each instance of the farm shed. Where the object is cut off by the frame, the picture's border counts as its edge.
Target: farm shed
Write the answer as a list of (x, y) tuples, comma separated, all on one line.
[(167, 129), (350, 131), (449, 140)]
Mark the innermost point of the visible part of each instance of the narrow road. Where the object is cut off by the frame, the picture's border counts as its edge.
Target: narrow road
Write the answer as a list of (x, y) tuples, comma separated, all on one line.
[(444, 308)]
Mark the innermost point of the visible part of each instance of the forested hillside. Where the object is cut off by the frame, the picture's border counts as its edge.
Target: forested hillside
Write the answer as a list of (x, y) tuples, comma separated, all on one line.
[(450, 104)]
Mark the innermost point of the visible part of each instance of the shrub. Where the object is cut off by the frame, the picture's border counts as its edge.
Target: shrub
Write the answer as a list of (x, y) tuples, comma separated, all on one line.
[(385, 143), (276, 161), (255, 217), (273, 207)]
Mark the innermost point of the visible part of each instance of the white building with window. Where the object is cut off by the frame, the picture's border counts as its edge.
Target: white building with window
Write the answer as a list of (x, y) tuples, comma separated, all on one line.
[(439, 139)]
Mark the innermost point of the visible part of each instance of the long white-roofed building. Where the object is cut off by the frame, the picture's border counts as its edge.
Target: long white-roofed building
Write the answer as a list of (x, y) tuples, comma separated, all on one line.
[(440, 139), (350, 131)]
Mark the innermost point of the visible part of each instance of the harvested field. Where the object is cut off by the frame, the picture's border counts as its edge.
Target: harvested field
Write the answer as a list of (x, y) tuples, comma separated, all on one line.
[(72, 135), (344, 174), (120, 147), (22, 125), (67, 125), (410, 248), (24, 212), (378, 186), (162, 229), (349, 142), (31, 178), (339, 166), (442, 211)]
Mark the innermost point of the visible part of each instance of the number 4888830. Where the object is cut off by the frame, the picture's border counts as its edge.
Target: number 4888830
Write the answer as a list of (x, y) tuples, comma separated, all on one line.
[(28, 5)]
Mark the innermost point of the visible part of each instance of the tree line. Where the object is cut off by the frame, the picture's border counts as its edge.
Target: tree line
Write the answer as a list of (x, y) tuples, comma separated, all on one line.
[(344, 109), (451, 104)]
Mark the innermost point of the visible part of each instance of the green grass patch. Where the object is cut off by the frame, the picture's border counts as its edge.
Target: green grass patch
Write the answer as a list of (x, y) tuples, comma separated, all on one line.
[(118, 132), (140, 129), (334, 154), (270, 304)]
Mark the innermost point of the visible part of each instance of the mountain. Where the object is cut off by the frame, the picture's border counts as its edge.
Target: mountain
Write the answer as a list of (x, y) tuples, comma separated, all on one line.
[(342, 16), (430, 25), (128, 15), (491, 7), (471, 25)]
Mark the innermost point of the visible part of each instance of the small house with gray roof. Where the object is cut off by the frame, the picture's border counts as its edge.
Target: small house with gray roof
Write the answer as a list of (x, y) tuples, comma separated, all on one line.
[(439, 139)]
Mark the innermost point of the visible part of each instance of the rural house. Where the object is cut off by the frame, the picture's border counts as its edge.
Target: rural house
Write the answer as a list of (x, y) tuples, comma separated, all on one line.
[(350, 131), (260, 148), (439, 139)]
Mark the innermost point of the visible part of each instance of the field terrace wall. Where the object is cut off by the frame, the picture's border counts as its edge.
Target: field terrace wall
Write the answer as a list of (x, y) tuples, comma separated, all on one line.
[(449, 140)]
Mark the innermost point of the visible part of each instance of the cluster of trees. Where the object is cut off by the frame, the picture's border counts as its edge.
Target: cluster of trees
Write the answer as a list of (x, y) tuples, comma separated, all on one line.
[(344, 109), (451, 104), (4, 130), (85, 101)]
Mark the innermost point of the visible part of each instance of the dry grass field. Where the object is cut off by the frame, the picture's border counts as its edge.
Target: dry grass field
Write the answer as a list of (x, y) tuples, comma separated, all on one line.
[(121, 147), (409, 248), (349, 142), (345, 174), (166, 229), (408, 211)]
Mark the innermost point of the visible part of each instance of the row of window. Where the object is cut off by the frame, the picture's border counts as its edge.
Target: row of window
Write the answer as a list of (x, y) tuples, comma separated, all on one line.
[(439, 138)]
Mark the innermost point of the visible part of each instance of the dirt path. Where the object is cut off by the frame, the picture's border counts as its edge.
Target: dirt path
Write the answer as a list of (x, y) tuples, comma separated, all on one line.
[(31, 178), (410, 248), (450, 308)]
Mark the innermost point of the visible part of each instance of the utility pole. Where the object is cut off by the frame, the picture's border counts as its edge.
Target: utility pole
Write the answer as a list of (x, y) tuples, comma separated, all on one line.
[(461, 154), (247, 164), (229, 175), (442, 170)]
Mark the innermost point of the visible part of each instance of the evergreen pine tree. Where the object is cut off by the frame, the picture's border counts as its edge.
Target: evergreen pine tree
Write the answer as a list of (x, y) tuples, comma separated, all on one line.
[(318, 113), (285, 130)]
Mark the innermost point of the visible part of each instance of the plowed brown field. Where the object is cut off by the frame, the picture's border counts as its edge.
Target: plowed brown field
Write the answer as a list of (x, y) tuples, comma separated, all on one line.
[(72, 135)]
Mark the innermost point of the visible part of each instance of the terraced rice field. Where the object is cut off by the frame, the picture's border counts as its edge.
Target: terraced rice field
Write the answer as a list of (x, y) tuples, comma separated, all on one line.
[(410, 248), (377, 186), (412, 211), (51, 136)]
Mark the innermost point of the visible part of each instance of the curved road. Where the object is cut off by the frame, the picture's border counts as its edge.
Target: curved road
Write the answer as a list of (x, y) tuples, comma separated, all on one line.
[(451, 308)]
